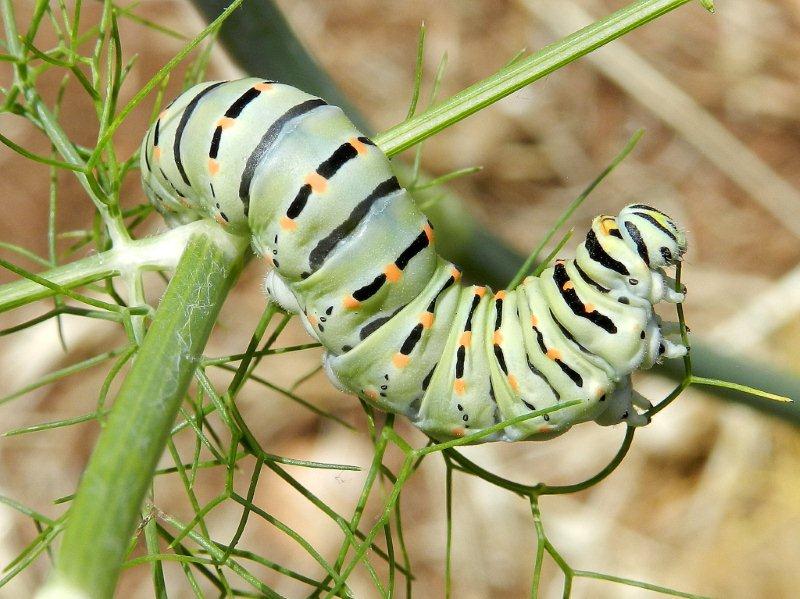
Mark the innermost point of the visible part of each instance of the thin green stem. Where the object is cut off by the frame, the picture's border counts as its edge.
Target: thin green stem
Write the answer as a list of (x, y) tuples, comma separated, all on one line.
[(106, 507), (522, 72)]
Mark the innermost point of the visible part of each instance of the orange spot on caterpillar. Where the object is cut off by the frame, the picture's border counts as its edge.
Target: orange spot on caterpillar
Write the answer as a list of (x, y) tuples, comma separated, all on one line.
[(553, 354), (426, 319), (268, 259), (312, 319), (459, 386), (213, 166), (606, 228), (184, 202), (351, 303), (357, 145), (568, 285), (317, 182), (371, 394), (455, 273), (465, 339), (225, 122), (560, 261), (288, 224), (162, 114), (262, 87), (589, 308), (400, 360), (393, 274), (457, 432), (220, 220), (501, 295), (512, 380), (480, 291), (534, 320), (428, 232), (156, 153), (497, 338)]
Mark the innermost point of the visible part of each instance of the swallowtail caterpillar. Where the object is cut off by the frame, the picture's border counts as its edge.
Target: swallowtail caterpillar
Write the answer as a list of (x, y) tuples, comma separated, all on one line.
[(355, 259)]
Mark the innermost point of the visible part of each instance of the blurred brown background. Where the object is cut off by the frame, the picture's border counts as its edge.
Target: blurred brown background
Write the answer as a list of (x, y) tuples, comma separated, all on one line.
[(706, 501)]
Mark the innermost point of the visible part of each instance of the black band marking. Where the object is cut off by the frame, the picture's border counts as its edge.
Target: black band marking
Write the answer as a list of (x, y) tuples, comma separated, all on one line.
[(367, 291), (657, 224), (641, 246), (214, 149), (501, 360), (318, 255), (185, 116), (299, 202), (265, 145), (411, 341), (235, 109), (598, 254), (342, 154), (589, 279), (419, 244), (475, 300), (570, 297), (461, 354)]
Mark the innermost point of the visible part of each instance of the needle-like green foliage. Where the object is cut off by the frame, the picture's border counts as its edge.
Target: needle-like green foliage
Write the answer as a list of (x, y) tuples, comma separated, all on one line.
[(170, 390)]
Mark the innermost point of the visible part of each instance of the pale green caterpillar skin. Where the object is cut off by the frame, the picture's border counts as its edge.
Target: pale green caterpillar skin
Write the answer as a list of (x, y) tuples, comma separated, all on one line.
[(355, 259)]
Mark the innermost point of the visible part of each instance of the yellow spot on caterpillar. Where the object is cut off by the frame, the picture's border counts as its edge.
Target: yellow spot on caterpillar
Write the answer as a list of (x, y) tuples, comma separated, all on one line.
[(534, 320), (400, 360), (457, 432), (501, 295), (497, 338), (262, 87), (480, 291), (459, 386), (357, 145), (393, 274), (466, 339), (589, 308), (567, 286), (351, 303), (512, 380), (288, 224), (426, 319), (455, 273), (428, 232), (553, 354), (606, 227), (317, 182), (225, 122), (156, 153), (213, 166), (371, 394)]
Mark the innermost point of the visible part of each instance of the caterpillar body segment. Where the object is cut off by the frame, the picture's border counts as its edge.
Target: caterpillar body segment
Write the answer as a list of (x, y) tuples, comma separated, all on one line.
[(356, 260)]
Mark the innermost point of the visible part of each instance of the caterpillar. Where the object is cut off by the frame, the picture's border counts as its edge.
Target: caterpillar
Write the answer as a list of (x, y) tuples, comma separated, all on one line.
[(355, 259)]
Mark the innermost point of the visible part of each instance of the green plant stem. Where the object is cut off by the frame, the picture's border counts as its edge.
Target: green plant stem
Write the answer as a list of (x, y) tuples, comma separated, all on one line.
[(160, 252), (109, 498), (522, 72)]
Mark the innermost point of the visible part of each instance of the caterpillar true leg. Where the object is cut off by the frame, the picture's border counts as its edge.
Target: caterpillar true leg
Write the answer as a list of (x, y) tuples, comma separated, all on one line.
[(356, 259)]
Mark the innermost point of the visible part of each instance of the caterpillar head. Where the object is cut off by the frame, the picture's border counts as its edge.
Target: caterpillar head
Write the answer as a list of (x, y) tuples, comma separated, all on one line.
[(657, 238)]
